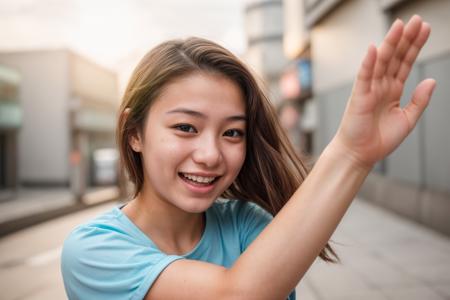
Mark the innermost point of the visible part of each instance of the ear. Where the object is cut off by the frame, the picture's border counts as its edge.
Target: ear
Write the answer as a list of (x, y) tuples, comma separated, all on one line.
[(135, 142), (134, 139)]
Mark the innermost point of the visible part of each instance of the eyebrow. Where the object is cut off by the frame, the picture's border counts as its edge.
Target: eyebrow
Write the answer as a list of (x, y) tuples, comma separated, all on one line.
[(198, 114)]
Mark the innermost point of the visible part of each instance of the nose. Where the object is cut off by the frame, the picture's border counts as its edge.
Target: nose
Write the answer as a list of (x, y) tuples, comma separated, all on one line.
[(208, 152)]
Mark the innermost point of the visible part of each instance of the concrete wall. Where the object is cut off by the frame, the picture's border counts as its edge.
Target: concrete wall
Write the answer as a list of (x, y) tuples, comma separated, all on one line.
[(340, 40), (435, 12), (436, 143), (414, 180), (43, 139), (84, 75)]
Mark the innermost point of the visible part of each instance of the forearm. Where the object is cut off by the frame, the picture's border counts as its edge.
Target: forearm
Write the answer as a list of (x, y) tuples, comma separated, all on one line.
[(281, 255)]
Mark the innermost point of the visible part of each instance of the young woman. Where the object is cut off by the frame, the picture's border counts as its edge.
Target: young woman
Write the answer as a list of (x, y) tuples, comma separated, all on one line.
[(222, 207)]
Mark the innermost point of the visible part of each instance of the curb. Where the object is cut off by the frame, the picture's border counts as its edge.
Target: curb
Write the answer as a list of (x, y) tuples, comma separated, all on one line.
[(24, 222)]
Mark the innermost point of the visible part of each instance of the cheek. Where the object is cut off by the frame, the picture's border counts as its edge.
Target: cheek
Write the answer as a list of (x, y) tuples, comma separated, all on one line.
[(166, 152), (162, 145), (174, 149), (236, 157)]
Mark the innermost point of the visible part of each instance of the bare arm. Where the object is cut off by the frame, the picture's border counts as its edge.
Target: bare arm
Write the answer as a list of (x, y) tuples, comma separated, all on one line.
[(373, 125)]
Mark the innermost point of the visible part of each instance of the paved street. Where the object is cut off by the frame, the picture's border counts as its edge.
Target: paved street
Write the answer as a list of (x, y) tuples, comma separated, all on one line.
[(29, 259), (383, 257)]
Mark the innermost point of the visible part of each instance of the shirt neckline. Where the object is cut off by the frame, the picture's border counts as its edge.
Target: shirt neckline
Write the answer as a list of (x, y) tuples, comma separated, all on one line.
[(142, 236)]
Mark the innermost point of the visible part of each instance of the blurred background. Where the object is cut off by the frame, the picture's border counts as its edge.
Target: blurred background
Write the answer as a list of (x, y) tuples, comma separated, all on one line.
[(64, 66)]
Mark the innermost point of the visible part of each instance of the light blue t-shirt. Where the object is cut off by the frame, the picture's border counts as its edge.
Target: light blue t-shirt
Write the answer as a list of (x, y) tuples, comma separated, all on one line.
[(111, 258)]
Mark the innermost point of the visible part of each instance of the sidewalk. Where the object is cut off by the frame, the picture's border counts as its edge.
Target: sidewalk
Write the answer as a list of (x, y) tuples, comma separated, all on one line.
[(30, 206), (384, 256)]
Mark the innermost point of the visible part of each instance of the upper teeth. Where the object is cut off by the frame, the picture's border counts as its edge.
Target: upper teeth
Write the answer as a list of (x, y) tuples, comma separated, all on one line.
[(199, 178)]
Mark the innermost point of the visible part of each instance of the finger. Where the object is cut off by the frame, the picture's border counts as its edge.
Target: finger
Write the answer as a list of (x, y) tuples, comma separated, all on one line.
[(365, 74), (413, 52), (410, 32), (420, 99), (387, 48)]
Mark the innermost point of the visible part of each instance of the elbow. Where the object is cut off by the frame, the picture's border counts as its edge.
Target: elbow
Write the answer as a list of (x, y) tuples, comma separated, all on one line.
[(235, 288), (238, 288)]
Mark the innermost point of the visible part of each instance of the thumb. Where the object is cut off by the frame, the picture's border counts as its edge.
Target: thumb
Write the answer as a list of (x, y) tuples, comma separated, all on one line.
[(419, 101)]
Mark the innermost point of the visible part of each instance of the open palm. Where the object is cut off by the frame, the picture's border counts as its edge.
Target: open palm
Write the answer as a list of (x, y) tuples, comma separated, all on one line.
[(374, 124)]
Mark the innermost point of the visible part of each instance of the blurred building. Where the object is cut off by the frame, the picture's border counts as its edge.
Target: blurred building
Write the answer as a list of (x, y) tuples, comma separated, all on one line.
[(68, 110), (334, 34), (287, 79), (10, 123), (264, 27)]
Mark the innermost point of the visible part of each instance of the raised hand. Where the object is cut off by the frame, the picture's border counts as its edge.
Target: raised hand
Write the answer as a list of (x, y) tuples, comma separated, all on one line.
[(374, 124)]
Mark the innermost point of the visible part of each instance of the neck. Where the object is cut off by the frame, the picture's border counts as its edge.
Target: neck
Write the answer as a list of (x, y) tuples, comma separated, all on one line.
[(173, 230)]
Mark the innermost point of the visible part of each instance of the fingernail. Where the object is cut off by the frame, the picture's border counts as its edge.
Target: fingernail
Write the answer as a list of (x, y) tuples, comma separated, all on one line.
[(416, 17), (398, 20), (433, 87)]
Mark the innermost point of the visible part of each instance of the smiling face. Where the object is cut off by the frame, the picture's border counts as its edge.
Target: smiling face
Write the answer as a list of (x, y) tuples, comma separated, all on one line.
[(193, 143)]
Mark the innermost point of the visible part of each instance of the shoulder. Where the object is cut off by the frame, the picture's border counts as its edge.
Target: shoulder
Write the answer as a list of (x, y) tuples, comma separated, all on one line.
[(247, 218), (108, 258), (234, 206), (240, 210), (105, 232)]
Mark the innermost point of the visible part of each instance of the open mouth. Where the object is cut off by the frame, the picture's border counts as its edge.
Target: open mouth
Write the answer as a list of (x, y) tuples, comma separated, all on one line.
[(198, 180)]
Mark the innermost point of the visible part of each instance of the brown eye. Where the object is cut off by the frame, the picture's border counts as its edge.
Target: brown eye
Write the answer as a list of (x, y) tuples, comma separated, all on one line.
[(234, 133), (186, 128)]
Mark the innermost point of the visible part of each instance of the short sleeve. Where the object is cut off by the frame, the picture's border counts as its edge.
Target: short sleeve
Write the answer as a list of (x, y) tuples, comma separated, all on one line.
[(251, 220), (104, 263)]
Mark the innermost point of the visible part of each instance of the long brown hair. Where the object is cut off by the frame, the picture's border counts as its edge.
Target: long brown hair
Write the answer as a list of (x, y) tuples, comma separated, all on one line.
[(272, 170)]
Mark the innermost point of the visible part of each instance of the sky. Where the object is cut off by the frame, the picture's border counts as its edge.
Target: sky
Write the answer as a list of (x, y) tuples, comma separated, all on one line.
[(117, 33)]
